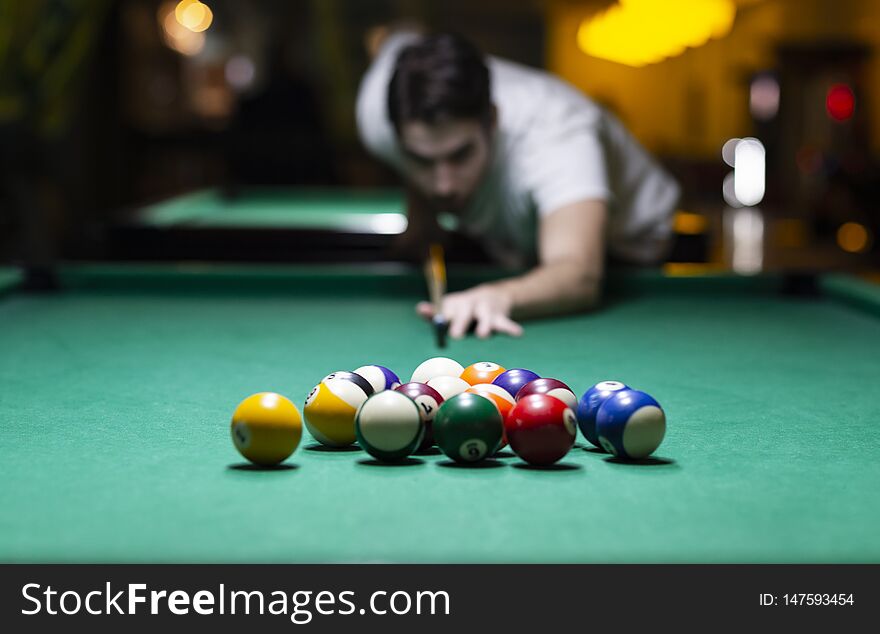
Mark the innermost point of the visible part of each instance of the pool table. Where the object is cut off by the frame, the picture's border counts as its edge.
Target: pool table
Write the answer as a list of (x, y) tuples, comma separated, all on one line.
[(298, 225), (116, 395), (261, 224)]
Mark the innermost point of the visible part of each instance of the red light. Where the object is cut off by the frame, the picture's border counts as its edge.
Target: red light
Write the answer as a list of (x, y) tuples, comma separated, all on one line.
[(840, 102)]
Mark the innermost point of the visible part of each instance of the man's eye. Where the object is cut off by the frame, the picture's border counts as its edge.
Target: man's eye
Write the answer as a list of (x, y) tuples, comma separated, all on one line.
[(462, 155), (421, 161)]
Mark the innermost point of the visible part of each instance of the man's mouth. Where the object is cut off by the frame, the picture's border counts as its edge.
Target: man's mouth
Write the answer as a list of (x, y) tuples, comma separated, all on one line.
[(447, 203)]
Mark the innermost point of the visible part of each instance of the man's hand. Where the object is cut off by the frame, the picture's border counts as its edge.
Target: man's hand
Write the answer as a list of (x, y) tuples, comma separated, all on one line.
[(566, 280), (487, 306)]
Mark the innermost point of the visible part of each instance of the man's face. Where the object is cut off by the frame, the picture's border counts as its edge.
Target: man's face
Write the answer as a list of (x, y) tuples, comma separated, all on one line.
[(446, 160)]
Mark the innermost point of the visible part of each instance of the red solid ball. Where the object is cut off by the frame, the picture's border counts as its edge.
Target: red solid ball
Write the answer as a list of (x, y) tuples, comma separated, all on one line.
[(541, 429)]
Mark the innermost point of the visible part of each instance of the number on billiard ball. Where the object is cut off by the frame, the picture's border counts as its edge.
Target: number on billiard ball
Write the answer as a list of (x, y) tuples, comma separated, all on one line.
[(468, 427)]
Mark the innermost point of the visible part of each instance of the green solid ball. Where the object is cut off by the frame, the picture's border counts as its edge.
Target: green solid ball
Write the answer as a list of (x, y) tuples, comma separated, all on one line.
[(468, 427)]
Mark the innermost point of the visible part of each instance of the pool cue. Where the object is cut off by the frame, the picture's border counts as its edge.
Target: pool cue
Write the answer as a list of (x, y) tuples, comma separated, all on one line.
[(435, 274)]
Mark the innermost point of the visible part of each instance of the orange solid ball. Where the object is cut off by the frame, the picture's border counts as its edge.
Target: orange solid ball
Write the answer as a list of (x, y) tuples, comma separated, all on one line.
[(481, 372)]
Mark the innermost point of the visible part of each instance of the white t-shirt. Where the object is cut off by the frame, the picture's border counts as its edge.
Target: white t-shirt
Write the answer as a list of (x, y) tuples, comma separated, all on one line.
[(553, 147)]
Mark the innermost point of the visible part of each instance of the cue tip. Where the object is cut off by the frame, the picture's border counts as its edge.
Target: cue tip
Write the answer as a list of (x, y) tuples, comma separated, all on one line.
[(441, 328)]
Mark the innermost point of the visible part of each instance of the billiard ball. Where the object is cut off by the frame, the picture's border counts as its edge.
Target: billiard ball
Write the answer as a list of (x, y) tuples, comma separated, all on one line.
[(266, 428), (437, 366), (502, 400), (448, 386), (541, 429), (468, 427), (630, 424), (498, 395), (428, 401), (553, 387), (513, 380), (482, 372), (330, 410), (589, 404), (355, 378), (389, 426), (380, 377)]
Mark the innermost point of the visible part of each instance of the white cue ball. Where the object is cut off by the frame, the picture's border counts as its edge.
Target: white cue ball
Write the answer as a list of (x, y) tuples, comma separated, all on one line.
[(437, 366)]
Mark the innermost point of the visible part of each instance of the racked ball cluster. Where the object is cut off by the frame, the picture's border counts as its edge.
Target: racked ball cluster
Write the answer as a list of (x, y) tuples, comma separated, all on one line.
[(470, 413)]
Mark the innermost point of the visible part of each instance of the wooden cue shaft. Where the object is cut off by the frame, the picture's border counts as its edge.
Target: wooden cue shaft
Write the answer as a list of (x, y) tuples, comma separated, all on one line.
[(437, 277)]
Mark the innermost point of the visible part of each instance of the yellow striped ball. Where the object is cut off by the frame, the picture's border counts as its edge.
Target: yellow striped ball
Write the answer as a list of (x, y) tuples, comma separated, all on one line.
[(330, 409)]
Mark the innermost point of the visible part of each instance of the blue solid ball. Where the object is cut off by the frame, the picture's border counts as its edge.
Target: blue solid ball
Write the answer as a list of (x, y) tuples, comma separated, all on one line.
[(589, 404), (630, 424), (513, 380)]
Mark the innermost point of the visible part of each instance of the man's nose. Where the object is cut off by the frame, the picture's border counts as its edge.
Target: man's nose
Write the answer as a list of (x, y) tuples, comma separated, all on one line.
[(444, 179)]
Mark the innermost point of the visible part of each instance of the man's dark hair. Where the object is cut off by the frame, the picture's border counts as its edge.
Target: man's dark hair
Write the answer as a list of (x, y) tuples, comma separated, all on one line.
[(440, 77)]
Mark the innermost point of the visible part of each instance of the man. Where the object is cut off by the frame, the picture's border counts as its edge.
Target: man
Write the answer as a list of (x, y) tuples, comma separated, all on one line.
[(524, 163)]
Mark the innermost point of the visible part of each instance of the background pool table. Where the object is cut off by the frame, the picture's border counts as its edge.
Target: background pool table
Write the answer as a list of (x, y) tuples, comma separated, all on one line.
[(116, 395), (304, 224)]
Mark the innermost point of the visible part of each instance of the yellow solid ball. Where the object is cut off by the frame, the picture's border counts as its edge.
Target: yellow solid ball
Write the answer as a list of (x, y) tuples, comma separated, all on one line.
[(266, 428)]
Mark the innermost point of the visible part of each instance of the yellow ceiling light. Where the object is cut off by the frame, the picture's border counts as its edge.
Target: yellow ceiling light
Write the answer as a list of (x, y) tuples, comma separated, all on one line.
[(640, 32), (177, 36), (193, 15)]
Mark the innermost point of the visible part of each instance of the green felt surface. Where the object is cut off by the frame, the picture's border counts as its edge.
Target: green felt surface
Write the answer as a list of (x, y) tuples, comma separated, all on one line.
[(116, 397), (853, 291), (360, 210)]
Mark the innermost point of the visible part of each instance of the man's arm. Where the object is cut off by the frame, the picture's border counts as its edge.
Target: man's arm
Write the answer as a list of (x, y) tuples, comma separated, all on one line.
[(571, 251), (571, 254)]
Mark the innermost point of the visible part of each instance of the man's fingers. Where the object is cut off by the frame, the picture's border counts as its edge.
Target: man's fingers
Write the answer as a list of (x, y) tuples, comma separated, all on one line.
[(460, 316), (425, 309), (485, 319), (461, 309), (506, 325)]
